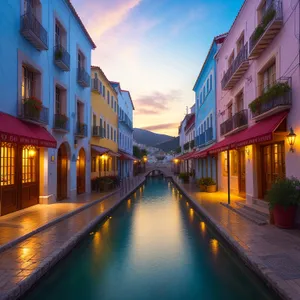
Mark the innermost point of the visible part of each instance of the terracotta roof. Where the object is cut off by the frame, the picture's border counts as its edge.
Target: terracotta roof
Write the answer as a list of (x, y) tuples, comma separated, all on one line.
[(103, 74), (81, 23)]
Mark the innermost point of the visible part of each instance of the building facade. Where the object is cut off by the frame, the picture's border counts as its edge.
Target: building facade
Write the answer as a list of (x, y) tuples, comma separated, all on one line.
[(205, 111), (46, 97), (104, 141), (257, 89), (125, 123)]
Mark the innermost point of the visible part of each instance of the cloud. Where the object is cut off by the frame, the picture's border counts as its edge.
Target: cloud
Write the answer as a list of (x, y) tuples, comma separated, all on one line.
[(161, 126), (156, 102)]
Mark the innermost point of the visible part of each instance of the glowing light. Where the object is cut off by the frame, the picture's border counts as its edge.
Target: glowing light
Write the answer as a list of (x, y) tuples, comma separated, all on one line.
[(176, 161), (104, 157), (214, 245), (191, 214), (128, 203), (187, 204), (31, 153), (203, 228), (91, 233)]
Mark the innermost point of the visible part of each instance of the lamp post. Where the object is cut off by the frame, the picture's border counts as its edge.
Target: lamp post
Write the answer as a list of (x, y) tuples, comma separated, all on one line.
[(145, 160), (291, 139)]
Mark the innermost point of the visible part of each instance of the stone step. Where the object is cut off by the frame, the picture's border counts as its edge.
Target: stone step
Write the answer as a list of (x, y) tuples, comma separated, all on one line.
[(264, 212), (247, 214), (262, 203)]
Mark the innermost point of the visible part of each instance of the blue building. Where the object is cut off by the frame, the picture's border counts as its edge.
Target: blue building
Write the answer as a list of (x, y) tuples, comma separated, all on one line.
[(45, 96), (125, 141), (205, 123)]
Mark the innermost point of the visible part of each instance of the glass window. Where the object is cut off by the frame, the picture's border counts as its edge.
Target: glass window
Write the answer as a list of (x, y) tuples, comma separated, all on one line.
[(104, 128), (28, 83), (211, 120), (234, 162), (112, 102), (57, 101), (211, 81), (111, 133), (269, 77), (104, 94), (7, 166), (207, 85), (108, 97), (200, 98), (29, 163), (108, 131)]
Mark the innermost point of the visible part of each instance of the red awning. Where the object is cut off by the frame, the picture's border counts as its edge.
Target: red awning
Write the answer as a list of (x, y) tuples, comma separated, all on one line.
[(258, 133), (102, 150), (126, 156), (14, 130), (188, 155), (200, 154)]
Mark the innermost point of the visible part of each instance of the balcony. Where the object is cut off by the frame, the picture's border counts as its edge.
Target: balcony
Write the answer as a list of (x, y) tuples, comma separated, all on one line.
[(266, 31), (95, 85), (83, 78), (202, 139), (98, 131), (237, 69), (33, 111), (236, 123), (61, 123), (81, 130), (62, 58), (33, 31), (275, 99)]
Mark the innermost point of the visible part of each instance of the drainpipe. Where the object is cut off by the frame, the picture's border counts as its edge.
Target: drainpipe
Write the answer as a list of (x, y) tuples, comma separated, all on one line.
[(228, 174)]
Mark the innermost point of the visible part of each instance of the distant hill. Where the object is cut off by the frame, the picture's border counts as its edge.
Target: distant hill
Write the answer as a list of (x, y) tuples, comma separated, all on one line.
[(149, 138), (170, 145)]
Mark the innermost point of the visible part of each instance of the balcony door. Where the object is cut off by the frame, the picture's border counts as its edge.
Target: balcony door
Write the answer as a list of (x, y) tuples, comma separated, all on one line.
[(62, 172), (80, 169)]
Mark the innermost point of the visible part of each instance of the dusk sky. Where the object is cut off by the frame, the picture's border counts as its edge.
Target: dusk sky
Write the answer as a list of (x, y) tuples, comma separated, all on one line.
[(155, 49)]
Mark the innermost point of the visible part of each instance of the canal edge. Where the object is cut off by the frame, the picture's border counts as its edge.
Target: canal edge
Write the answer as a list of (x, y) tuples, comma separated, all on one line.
[(25, 285), (251, 261)]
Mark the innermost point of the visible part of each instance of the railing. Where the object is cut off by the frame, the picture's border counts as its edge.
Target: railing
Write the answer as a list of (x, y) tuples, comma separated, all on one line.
[(186, 146), (30, 23), (209, 134), (192, 144), (95, 84), (202, 139), (83, 77), (279, 94), (61, 122), (62, 57), (274, 12), (98, 131), (241, 57), (35, 114), (81, 129), (238, 120)]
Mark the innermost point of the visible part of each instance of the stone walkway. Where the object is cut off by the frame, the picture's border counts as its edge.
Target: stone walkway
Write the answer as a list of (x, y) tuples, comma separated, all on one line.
[(24, 263), (273, 253)]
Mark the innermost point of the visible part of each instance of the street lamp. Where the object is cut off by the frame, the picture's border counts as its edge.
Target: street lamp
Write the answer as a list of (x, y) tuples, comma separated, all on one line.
[(145, 160), (291, 139)]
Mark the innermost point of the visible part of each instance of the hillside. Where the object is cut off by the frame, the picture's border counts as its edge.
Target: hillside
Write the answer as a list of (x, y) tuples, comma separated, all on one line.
[(170, 145), (149, 138)]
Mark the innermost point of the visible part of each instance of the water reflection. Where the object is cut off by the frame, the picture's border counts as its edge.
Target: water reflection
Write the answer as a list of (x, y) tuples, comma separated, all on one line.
[(214, 246)]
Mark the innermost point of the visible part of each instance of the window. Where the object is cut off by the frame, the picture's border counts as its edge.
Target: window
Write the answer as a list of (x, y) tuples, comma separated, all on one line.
[(240, 43), (229, 109), (200, 98), (58, 38), (112, 102), (29, 165), (7, 166), (93, 166), (231, 59), (115, 106), (207, 122), (201, 128), (211, 120), (234, 162), (204, 125), (207, 86), (80, 60), (101, 127), (103, 91), (104, 128), (107, 131), (94, 120), (101, 88), (28, 83), (80, 110), (108, 97), (111, 133), (57, 101), (210, 81), (203, 93), (268, 78), (240, 102), (115, 135)]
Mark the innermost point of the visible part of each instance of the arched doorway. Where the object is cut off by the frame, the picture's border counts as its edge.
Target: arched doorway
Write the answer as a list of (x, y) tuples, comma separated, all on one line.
[(62, 172), (80, 169)]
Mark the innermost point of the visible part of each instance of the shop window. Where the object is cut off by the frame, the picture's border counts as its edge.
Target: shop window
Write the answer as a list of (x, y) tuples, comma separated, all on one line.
[(29, 164), (234, 163), (7, 164)]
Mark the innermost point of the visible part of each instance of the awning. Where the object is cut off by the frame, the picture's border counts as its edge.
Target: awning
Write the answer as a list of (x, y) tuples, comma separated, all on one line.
[(258, 133), (102, 150), (188, 155), (14, 130), (126, 156), (200, 154)]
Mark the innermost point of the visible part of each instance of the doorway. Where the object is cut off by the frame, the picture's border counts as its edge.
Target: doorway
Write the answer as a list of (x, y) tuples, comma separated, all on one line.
[(62, 172), (242, 172), (273, 165), (80, 169)]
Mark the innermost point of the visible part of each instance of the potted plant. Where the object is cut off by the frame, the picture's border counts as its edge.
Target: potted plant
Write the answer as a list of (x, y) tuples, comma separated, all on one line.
[(184, 177), (61, 121), (32, 108), (202, 184), (284, 198), (211, 186)]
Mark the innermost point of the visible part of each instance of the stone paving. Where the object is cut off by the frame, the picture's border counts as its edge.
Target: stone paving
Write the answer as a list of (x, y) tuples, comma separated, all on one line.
[(272, 252), (23, 264), (21, 223)]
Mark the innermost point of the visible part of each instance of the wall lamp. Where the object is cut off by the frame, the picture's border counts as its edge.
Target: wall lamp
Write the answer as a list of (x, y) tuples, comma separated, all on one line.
[(291, 139)]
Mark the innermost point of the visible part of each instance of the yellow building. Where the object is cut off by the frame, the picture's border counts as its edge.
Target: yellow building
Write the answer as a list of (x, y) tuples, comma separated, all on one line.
[(104, 141)]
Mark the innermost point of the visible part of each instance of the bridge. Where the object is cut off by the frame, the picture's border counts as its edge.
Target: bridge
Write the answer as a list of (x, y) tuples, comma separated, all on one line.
[(157, 169)]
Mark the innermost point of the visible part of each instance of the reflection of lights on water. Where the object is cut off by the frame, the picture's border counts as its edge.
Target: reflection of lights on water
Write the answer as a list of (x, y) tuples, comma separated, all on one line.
[(191, 214), (91, 233), (214, 245), (25, 250), (203, 227), (110, 217), (187, 204), (128, 203)]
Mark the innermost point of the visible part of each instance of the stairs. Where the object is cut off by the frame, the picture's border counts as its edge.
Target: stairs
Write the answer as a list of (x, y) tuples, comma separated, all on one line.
[(258, 212)]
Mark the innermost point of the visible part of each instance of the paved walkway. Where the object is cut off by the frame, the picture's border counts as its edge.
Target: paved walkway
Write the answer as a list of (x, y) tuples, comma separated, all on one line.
[(273, 252), (21, 223), (23, 264)]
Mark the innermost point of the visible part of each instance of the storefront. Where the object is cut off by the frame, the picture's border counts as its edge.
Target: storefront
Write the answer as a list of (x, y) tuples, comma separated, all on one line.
[(125, 164), (20, 145)]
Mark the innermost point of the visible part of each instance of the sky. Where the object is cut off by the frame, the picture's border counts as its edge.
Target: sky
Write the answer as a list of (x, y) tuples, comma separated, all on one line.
[(155, 49)]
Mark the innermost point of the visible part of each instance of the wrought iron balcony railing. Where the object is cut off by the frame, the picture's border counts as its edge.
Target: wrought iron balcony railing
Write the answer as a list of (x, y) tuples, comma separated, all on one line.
[(265, 32), (33, 31), (62, 58), (202, 139), (81, 130), (238, 120), (61, 123), (237, 69), (209, 134), (35, 113), (98, 131), (83, 78), (275, 98)]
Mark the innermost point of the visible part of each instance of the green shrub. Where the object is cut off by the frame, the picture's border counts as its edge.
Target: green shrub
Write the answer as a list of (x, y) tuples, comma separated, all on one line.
[(207, 181), (202, 181), (184, 176), (258, 32), (284, 192), (268, 17)]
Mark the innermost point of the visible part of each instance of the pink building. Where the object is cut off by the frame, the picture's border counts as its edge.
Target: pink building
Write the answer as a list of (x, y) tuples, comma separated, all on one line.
[(258, 89)]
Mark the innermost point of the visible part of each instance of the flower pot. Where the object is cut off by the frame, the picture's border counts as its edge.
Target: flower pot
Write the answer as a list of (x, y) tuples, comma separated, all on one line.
[(211, 188), (202, 188), (284, 217), (31, 111)]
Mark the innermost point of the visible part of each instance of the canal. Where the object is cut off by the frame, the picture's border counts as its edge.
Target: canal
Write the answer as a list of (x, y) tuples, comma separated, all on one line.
[(153, 246)]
